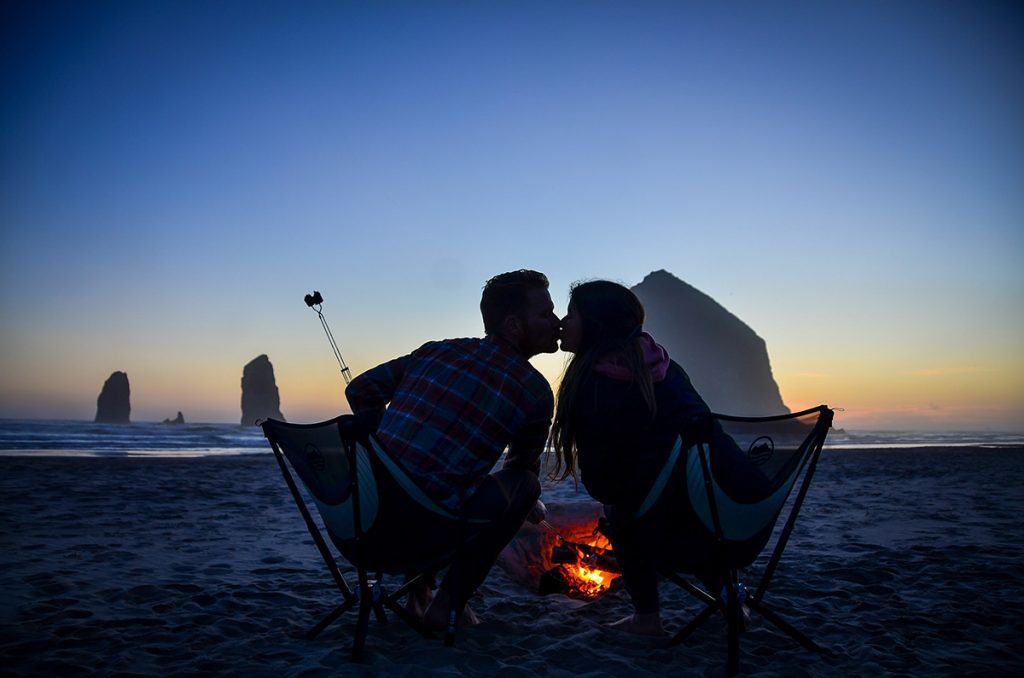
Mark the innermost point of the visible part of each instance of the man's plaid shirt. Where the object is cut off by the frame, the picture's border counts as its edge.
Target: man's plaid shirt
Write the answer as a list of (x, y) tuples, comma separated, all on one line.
[(454, 407)]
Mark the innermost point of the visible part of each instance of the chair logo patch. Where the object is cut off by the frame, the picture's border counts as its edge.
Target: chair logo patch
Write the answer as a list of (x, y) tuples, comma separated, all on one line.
[(761, 450), (315, 458)]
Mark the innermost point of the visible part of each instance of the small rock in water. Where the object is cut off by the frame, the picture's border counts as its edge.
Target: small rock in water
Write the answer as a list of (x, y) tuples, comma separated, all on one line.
[(180, 419)]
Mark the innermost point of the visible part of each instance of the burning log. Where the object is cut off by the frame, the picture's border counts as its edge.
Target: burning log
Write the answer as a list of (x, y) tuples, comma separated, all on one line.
[(571, 553), (580, 570), (554, 580), (566, 552)]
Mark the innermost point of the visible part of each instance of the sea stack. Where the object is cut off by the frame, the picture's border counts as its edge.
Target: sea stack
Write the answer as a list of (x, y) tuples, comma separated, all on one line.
[(726, 360), (113, 405), (260, 397), (180, 419)]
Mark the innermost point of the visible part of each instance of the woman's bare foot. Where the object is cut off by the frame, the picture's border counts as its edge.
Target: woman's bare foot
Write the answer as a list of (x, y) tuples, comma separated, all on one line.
[(641, 624), (436, 616)]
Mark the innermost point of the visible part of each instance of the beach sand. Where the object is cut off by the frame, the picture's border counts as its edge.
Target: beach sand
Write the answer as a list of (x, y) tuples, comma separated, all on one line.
[(903, 561)]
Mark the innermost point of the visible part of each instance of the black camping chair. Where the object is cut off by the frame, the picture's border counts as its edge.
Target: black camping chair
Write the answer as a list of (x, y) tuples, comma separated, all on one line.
[(366, 514), (737, 506)]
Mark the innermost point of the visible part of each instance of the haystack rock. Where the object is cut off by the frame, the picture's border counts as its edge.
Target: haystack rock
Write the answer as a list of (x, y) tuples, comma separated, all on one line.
[(113, 405), (260, 397), (726, 360)]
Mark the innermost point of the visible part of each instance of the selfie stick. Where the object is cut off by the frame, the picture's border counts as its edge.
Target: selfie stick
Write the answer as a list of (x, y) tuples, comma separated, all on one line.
[(315, 302)]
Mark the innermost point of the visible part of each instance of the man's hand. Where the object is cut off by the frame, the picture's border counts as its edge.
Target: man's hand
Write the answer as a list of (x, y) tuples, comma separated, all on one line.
[(538, 513), (699, 429)]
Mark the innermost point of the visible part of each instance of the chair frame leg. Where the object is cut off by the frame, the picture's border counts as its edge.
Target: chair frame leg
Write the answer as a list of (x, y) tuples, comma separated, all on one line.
[(329, 619), (350, 597), (734, 623), (695, 591), (378, 598), (694, 624), (453, 626), (783, 625), (362, 625)]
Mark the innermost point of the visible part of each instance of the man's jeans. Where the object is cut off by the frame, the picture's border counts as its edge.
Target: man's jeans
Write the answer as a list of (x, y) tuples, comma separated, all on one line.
[(505, 498)]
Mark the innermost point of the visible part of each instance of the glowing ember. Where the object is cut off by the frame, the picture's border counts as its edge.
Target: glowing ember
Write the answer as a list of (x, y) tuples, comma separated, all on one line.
[(583, 577), (590, 583)]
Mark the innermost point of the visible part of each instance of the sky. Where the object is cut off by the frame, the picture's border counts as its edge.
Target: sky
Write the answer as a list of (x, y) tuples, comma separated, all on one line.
[(845, 177)]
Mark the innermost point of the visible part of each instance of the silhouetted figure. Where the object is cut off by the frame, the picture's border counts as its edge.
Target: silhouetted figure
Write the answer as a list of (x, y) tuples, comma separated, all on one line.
[(622, 404), (446, 411)]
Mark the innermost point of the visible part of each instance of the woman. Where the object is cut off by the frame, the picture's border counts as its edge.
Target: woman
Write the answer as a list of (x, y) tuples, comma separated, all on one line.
[(621, 405)]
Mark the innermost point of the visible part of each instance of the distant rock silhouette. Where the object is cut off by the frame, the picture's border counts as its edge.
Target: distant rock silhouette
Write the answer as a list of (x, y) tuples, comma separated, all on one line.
[(180, 419), (726, 360), (260, 397), (113, 406)]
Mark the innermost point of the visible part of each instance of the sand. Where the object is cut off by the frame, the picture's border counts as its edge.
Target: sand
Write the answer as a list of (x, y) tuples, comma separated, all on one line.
[(906, 561)]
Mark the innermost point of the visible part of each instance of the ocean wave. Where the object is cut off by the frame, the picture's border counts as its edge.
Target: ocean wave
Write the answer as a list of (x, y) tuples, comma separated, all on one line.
[(92, 439), (26, 437)]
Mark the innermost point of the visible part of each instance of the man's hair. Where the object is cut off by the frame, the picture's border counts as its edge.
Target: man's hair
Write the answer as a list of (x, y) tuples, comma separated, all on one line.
[(505, 295)]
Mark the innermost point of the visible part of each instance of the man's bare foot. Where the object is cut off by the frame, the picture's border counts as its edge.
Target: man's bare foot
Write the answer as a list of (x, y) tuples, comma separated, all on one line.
[(641, 624), (436, 616), (469, 617), (419, 599)]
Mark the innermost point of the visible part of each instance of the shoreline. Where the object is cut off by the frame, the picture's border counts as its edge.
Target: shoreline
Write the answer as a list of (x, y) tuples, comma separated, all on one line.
[(247, 452)]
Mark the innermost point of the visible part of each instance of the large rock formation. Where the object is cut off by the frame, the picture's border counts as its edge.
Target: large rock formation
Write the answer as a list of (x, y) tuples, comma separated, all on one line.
[(113, 405), (260, 398), (726, 360)]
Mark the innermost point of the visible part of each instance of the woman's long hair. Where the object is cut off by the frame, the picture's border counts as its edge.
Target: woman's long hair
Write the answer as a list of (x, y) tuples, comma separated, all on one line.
[(612, 320)]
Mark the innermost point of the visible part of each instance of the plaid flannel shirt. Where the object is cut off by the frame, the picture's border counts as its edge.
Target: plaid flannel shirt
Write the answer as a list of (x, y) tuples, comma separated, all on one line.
[(454, 407)]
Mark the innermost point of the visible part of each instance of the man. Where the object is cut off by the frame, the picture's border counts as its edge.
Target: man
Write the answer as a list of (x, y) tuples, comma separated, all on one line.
[(454, 407)]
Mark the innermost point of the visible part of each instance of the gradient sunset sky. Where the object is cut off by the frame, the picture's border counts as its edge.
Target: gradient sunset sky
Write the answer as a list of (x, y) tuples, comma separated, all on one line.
[(845, 177)]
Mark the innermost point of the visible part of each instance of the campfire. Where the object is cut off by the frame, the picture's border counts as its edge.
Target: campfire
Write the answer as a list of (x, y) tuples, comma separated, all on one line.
[(581, 564)]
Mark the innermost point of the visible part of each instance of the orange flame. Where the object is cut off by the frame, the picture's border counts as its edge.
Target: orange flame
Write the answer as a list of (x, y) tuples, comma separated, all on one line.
[(585, 580)]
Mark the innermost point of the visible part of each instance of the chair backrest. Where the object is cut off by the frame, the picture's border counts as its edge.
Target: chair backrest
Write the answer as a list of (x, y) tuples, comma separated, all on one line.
[(376, 516), (739, 475), (777, 449), (321, 456)]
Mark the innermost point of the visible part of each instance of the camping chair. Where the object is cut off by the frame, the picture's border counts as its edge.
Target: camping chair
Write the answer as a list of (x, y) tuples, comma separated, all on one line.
[(366, 515), (738, 517)]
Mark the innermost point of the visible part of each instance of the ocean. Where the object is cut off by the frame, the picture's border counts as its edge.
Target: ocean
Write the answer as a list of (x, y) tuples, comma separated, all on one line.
[(53, 438)]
